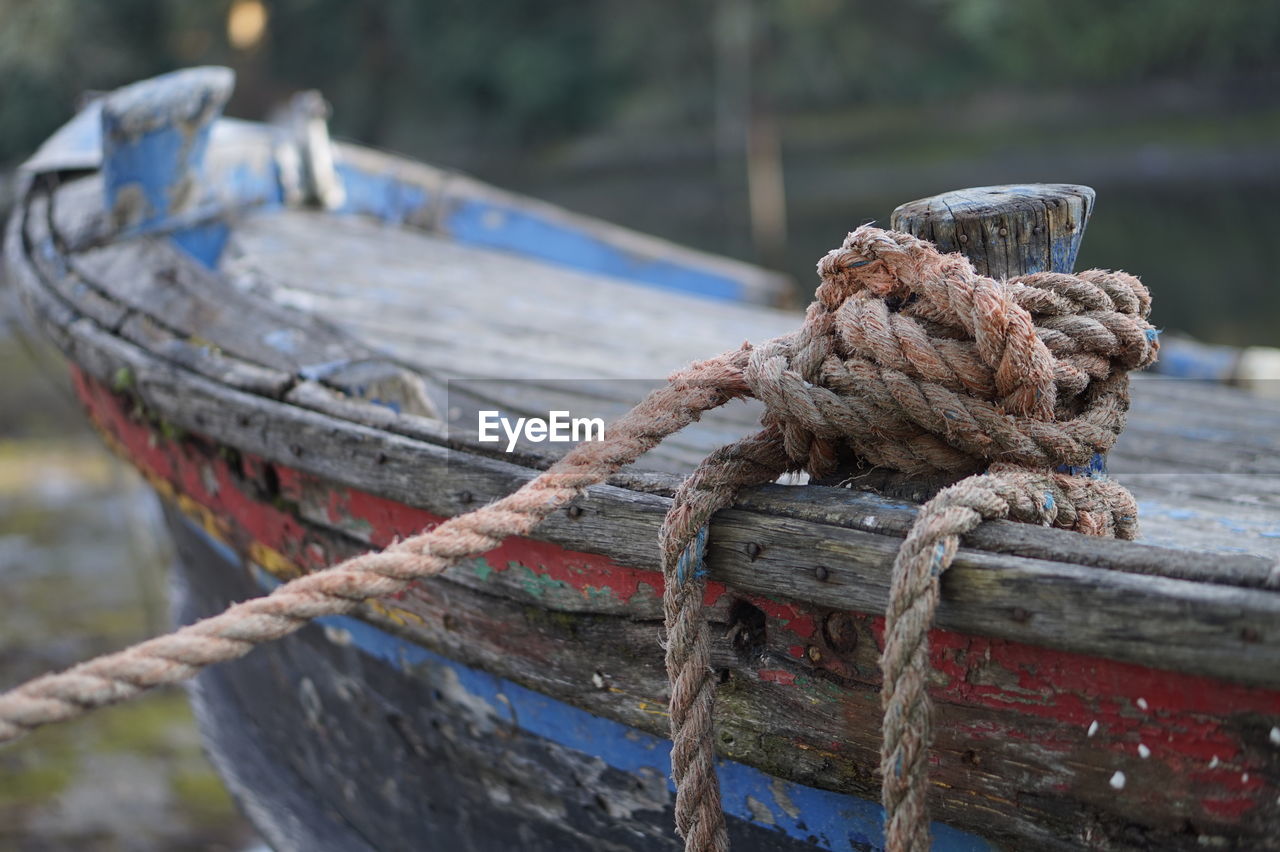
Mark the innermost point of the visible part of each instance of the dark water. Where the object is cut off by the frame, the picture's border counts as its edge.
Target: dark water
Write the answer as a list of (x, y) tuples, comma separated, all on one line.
[(1208, 253)]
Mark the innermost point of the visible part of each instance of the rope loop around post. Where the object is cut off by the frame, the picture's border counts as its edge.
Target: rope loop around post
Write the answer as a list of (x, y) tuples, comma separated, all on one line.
[(909, 360)]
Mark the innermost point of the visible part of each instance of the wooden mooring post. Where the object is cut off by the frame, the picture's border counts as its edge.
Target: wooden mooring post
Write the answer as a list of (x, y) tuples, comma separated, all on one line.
[(1005, 231)]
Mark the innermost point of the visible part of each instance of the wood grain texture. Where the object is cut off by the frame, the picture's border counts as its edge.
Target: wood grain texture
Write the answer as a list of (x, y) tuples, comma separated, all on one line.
[(1150, 619), (447, 311), (1005, 231)]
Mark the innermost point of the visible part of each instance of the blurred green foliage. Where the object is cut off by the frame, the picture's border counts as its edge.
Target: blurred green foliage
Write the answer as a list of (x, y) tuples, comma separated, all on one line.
[(515, 72)]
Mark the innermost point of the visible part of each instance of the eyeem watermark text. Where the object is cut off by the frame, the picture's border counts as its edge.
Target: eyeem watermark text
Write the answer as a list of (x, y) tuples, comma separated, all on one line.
[(559, 427)]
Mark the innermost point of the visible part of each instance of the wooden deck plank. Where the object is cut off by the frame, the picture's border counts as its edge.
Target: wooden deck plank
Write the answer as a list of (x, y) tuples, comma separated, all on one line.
[(1169, 437), (388, 270)]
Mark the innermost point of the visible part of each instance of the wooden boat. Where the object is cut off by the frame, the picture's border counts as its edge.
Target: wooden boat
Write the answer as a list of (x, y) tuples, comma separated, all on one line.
[(291, 339)]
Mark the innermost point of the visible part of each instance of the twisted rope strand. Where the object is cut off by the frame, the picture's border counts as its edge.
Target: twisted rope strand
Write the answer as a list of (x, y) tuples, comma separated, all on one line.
[(927, 552), (907, 359), (751, 461)]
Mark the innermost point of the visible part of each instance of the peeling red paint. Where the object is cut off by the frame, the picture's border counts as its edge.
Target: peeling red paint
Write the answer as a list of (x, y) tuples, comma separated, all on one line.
[(777, 676)]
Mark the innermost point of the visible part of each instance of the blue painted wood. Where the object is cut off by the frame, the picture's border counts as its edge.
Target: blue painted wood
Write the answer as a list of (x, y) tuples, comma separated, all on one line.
[(383, 196), (490, 223), (249, 181), (154, 137), (1187, 359), (204, 242), (149, 141), (827, 820), (245, 183)]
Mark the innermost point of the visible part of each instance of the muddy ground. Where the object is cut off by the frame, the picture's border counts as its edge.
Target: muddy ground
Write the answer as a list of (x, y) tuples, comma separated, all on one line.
[(82, 571)]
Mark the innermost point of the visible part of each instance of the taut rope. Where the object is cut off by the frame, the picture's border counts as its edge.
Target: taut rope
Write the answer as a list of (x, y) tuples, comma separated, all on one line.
[(907, 360)]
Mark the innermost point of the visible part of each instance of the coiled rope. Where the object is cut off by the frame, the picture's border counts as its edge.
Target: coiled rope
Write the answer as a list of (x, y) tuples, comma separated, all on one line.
[(907, 359)]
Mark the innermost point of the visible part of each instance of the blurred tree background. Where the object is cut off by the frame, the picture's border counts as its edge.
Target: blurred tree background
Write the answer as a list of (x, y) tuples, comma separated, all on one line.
[(655, 114)]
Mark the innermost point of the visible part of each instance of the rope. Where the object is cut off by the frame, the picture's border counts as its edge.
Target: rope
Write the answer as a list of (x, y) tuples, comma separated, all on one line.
[(341, 589), (908, 360)]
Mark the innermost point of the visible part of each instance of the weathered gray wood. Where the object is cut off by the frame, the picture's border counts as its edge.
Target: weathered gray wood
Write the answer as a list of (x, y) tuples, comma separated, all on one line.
[(205, 358), (515, 312), (448, 310), (55, 267), (155, 278), (1004, 230), (211, 421)]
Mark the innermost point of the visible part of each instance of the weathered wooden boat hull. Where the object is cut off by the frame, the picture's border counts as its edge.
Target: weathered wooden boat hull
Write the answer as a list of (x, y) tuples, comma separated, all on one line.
[(1088, 692), (245, 523)]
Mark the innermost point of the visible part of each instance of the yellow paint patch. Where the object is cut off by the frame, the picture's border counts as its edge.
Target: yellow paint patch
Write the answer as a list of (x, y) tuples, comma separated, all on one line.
[(267, 558), (274, 562), (653, 709), (395, 614), (207, 520)]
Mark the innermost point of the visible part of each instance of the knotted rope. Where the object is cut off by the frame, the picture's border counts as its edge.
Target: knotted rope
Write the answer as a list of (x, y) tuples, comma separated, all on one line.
[(908, 360)]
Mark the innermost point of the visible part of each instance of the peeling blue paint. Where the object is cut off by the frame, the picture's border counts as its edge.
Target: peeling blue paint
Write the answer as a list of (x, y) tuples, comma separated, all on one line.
[(153, 165), (243, 185), (382, 196), (1096, 467), (154, 137), (204, 242), (1062, 255), (524, 232)]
